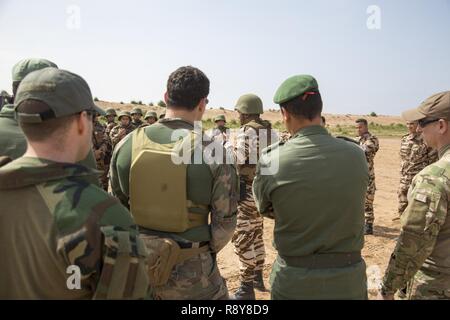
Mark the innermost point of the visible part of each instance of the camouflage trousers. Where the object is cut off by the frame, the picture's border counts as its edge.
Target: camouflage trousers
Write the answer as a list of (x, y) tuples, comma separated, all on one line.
[(429, 285), (370, 197), (248, 238), (197, 278)]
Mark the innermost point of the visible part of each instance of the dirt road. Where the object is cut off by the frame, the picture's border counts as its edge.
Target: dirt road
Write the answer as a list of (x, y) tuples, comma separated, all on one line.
[(377, 248)]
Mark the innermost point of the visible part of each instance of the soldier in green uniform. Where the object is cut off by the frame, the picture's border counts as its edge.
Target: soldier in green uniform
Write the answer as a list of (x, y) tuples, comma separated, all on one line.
[(316, 196), (369, 143), (415, 155), (136, 115), (186, 211), (12, 140), (421, 259), (122, 129), (248, 238), (63, 237)]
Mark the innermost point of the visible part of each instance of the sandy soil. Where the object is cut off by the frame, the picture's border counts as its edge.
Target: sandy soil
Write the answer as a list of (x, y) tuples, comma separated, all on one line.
[(377, 248)]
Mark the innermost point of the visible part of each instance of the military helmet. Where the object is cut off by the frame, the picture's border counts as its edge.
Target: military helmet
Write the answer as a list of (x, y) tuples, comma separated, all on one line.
[(111, 112), (249, 104), (150, 114), (220, 118), (124, 114), (136, 111)]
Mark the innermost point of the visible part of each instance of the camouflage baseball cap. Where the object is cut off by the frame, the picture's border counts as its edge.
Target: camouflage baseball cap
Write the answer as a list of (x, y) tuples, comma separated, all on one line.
[(26, 66), (111, 112), (249, 104), (136, 111), (64, 92), (124, 114), (150, 114), (220, 117), (435, 107), (294, 87)]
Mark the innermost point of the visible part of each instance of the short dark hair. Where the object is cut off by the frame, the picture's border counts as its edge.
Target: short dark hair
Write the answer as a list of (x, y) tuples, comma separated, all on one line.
[(55, 128), (363, 121), (309, 108), (186, 87)]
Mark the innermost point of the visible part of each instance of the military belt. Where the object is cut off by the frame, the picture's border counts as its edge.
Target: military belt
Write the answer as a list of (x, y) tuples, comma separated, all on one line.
[(190, 245), (322, 261)]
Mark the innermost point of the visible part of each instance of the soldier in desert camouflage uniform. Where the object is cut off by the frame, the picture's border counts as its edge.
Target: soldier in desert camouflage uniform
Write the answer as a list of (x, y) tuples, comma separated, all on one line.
[(414, 155), (55, 224), (421, 259), (150, 118), (255, 134), (120, 131), (100, 147), (369, 143)]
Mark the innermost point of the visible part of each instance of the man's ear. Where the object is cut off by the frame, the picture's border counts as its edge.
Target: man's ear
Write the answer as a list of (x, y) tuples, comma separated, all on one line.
[(166, 97), (444, 126), (82, 122)]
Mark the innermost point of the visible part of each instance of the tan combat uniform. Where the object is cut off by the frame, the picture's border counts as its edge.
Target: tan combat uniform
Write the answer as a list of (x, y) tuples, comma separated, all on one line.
[(415, 156), (248, 238), (369, 143)]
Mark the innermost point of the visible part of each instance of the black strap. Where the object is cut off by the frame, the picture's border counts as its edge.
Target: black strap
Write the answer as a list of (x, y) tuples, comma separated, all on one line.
[(323, 261)]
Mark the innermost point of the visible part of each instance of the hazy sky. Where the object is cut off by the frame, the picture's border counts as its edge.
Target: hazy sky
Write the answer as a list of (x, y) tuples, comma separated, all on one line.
[(127, 49)]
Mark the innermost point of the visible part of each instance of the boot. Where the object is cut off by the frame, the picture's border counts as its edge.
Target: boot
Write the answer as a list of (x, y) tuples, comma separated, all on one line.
[(368, 229), (244, 292), (258, 283)]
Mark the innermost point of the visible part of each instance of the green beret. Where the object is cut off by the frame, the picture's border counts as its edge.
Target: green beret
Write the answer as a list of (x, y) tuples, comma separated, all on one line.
[(295, 87), (26, 66)]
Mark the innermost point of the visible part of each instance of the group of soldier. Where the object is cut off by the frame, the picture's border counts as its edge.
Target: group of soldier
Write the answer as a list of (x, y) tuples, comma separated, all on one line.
[(157, 233)]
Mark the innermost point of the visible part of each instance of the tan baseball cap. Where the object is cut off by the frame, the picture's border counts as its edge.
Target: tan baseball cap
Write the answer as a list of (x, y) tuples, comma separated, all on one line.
[(435, 107)]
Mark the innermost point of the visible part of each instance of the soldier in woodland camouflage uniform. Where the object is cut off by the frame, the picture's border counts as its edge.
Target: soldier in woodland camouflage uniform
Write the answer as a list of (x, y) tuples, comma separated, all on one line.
[(248, 238), (100, 147), (421, 259), (120, 131), (414, 155), (64, 238), (110, 124), (369, 143)]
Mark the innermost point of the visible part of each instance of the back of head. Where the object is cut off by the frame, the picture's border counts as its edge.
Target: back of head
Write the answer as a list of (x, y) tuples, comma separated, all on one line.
[(48, 100), (299, 95), (186, 87), (24, 67), (249, 104)]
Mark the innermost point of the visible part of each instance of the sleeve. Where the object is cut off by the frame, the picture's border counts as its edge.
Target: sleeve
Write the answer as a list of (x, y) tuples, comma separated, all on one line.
[(421, 223), (108, 251), (223, 206), (120, 171), (370, 147), (261, 192)]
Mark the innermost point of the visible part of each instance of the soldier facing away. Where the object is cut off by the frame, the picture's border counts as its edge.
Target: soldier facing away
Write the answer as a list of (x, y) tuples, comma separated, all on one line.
[(414, 155), (317, 200), (54, 222), (12, 140), (421, 259), (248, 238), (369, 143), (186, 211)]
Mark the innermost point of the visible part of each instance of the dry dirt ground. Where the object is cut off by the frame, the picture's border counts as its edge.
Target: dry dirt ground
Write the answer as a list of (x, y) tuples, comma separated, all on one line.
[(377, 248)]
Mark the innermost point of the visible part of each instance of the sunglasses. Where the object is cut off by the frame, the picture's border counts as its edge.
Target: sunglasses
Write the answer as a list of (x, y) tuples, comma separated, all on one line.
[(424, 122)]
